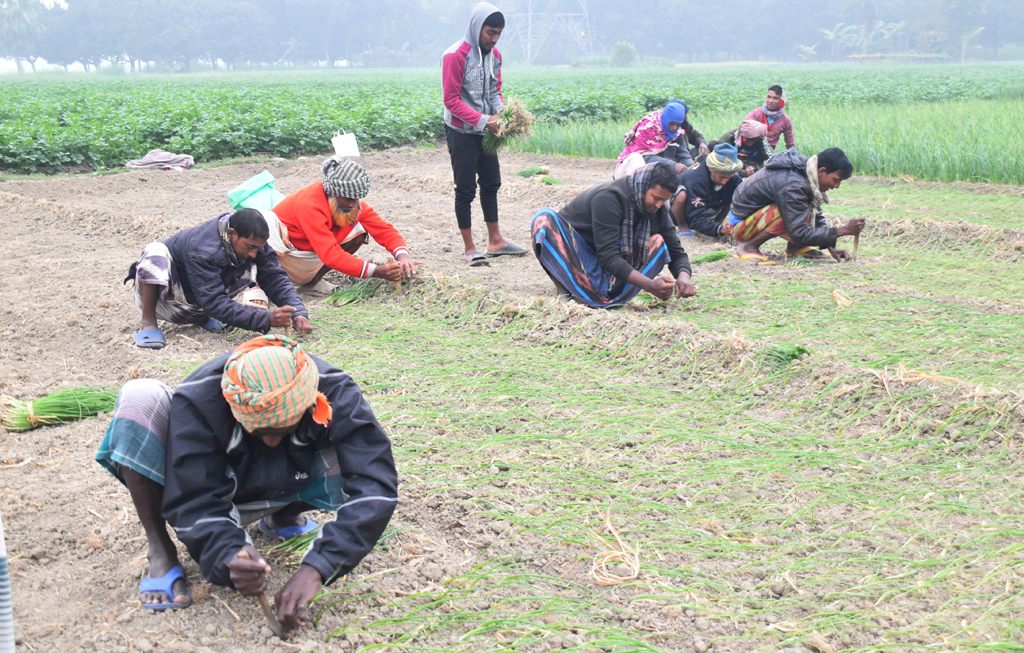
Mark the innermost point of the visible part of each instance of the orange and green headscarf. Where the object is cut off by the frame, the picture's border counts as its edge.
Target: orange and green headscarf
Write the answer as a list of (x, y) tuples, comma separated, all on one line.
[(269, 382)]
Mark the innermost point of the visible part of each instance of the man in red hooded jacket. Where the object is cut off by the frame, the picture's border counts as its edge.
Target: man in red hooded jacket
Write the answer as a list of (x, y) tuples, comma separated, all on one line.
[(772, 115)]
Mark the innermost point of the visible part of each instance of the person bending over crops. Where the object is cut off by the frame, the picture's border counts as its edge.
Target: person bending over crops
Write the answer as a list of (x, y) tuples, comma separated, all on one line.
[(264, 433), (191, 277), (612, 240), (751, 145), (661, 135), (784, 199), (772, 116), (471, 81), (705, 193), (320, 227)]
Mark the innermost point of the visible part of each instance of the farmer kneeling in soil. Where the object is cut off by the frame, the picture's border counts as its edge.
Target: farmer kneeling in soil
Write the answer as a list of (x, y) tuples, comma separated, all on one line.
[(264, 432), (320, 228), (705, 194), (612, 241), (191, 277), (784, 199)]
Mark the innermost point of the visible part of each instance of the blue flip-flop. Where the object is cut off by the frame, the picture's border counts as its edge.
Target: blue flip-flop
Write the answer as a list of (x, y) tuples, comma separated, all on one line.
[(215, 326), (686, 234), (288, 532), (150, 339), (165, 584)]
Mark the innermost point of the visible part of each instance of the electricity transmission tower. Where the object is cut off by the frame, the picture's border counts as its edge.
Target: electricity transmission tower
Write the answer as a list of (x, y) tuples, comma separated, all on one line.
[(543, 19)]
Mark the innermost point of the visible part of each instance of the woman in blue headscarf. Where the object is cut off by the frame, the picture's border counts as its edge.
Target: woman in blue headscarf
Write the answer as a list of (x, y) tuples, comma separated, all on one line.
[(661, 136)]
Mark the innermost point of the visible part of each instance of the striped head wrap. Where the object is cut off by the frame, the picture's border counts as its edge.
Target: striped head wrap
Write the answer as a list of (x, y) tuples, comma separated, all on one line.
[(269, 382), (345, 178)]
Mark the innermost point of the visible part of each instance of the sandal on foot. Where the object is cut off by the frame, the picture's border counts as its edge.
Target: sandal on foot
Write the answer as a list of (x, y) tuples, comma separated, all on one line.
[(150, 339), (165, 584), (288, 532), (510, 249), (686, 234), (752, 258), (215, 326), (476, 259), (808, 252)]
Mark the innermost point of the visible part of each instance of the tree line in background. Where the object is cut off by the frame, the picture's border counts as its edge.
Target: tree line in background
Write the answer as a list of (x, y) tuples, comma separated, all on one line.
[(161, 35)]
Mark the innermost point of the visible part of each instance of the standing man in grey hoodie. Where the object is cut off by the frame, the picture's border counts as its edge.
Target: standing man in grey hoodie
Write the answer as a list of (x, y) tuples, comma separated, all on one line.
[(471, 80)]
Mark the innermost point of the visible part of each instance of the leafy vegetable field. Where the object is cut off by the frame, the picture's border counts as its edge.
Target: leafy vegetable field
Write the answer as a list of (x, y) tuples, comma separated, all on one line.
[(100, 123)]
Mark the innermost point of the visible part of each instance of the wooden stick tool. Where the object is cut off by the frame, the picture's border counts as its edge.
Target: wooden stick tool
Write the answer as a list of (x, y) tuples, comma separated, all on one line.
[(268, 612)]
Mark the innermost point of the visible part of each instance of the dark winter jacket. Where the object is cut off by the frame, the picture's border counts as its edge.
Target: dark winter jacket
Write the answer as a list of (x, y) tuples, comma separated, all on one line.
[(704, 199), (690, 135), (783, 182), (597, 215), (212, 463), (751, 151), (207, 267)]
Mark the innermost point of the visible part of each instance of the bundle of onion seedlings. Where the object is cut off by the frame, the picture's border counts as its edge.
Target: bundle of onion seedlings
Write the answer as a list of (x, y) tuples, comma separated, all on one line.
[(514, 122), (60, 407), (710, 257), (355, 292)]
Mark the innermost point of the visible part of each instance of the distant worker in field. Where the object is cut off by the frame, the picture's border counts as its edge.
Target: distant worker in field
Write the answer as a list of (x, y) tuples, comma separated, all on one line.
[(705, 194), (613, 240), (191, 278), (264, 432), (471, 81), (662, 136), (772, 115), (320, 227), (751, 143), (784, 199)]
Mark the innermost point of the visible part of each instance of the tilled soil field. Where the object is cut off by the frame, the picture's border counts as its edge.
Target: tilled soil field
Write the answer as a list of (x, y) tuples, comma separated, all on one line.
[(77, 551)]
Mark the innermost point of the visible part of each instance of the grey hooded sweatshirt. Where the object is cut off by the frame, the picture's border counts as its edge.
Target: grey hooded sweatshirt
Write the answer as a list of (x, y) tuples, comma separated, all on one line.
[(470, 79), (783, 182)]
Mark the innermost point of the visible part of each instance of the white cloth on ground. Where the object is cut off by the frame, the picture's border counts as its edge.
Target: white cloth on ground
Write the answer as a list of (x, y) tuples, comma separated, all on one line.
[(162, 160)]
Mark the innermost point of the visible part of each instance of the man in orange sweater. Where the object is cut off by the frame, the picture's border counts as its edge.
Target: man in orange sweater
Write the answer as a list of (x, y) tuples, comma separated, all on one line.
[(321, 226)]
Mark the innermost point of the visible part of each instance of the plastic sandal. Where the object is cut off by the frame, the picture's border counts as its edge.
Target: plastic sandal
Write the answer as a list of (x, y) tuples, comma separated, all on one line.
[(165, 584), (288, 532), (150, 339)]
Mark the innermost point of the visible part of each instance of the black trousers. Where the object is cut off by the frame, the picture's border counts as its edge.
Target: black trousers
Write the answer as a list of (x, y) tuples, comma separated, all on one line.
[(470, 163)]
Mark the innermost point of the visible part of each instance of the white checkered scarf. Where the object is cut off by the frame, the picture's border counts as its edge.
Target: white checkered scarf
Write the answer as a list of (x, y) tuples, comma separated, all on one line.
[(345, 178)]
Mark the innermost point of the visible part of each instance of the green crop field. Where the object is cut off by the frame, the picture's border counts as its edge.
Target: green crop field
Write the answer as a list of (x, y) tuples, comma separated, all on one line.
[(865, 496), (927, 122)]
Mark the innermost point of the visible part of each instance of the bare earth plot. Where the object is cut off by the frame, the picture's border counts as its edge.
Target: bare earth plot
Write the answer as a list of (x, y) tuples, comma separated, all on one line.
[(865, 496)]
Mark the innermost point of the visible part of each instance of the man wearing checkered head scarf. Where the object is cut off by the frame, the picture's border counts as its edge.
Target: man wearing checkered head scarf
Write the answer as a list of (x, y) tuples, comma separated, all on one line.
[(320, 227), (260, 434)]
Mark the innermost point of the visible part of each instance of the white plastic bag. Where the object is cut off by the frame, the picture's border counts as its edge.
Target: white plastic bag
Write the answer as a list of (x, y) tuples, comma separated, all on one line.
[(345, 144)]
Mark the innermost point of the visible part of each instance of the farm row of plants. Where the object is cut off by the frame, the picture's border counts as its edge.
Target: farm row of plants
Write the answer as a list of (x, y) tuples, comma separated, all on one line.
[(46, 125), (941, 141)]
